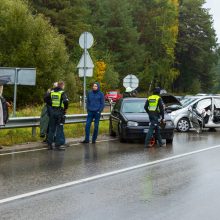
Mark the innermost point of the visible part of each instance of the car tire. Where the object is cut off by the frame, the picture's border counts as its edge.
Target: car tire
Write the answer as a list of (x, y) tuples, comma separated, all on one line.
[(183, 125), (121, 138), (111, 132), (169, 141)]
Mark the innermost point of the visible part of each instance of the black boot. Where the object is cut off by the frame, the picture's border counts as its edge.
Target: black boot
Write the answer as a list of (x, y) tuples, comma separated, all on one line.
[(84, 142)]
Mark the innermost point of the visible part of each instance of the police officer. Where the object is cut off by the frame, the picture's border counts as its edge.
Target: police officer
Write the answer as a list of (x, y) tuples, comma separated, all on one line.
[(58, 102), (154, 108)]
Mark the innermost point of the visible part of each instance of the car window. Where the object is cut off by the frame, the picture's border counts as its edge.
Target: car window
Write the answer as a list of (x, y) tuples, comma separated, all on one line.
[(112, 93), (203, 104), (187, 101), (217, 103), (134, 107)]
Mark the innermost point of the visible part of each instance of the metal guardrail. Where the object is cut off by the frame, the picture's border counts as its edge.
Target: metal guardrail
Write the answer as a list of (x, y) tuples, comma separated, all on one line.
[(34, 122)]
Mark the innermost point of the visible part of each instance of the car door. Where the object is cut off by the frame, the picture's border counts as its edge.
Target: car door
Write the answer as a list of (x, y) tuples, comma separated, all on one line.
[(201, 113), (115, 116), (216, 111)]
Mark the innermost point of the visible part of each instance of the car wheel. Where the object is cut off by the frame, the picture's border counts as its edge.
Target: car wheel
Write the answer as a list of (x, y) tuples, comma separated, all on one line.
[(111, 132), (169, 141), (121, 138), (183, 125)]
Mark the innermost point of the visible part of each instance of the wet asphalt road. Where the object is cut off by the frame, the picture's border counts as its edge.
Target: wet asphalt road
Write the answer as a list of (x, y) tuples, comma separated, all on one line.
[(184, 188)]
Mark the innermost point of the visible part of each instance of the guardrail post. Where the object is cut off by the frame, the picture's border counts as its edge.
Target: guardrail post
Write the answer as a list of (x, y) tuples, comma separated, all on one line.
[(34, 131)]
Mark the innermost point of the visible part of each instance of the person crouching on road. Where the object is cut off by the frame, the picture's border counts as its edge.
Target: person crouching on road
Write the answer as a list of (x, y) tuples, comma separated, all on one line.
[(58, 101), (95, 105), (154, 108)]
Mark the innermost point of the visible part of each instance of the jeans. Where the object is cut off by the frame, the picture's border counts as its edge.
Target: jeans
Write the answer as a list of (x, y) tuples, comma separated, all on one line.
[(154, 126), (56, 133), (96, 117)]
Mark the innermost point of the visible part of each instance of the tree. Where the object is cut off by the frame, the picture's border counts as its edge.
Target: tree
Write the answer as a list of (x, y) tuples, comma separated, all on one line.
[(157, 22), (196, 46), (30, 41), (106, 75), (116, 34), (70, 17)]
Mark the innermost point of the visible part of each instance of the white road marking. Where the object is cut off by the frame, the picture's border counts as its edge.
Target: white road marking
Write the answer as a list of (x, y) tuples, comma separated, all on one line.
[(85, 180), (45, 148)]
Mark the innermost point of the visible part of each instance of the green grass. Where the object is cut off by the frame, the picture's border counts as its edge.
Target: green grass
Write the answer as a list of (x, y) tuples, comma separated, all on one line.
[(10, 137), (28, 111), (74, 108)]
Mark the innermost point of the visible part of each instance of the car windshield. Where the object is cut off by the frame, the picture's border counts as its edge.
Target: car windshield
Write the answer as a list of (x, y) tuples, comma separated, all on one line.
[(112, 93), (134, 107), (187, 101)]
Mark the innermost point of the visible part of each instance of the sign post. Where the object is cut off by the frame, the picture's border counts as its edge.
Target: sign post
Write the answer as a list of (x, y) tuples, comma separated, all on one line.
[(17, 76), (85, 65)]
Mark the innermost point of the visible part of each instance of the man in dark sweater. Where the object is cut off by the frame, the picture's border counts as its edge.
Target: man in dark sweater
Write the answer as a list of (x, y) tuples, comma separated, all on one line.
[(95, 105)]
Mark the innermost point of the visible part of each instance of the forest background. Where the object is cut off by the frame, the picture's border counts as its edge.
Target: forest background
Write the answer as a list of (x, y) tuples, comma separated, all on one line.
[(167, 43)]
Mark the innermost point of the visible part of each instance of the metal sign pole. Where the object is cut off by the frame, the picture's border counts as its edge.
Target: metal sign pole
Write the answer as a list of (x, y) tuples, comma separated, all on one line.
[(84, 92), (15, 92)]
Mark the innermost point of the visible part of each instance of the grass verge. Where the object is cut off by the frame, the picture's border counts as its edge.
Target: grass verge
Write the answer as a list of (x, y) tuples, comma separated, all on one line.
[(9, 137)]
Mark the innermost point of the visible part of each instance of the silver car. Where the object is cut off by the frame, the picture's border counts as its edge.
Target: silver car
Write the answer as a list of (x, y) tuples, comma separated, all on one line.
[(209, 104)]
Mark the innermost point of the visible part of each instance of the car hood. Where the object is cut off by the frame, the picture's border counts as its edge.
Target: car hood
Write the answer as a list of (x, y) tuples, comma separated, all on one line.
[(169, 100), (140, 117)]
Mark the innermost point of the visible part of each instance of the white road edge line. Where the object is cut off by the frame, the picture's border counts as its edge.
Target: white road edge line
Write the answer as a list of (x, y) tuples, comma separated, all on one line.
[(44, 148), (26, 195)]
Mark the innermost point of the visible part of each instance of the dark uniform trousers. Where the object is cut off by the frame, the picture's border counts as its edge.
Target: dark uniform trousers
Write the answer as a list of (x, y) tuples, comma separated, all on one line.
[(56, 130), (154, 126)]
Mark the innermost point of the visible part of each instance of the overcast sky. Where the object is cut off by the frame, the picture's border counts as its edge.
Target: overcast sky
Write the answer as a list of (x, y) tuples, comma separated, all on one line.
[(214, 6)]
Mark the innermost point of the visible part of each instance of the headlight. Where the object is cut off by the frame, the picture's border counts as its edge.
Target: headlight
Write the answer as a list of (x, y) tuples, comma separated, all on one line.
[(169, 124), (132, 124)]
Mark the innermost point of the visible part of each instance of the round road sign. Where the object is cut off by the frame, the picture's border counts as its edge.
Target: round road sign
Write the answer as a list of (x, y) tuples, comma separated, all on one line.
[(131, 81), (86, 40)]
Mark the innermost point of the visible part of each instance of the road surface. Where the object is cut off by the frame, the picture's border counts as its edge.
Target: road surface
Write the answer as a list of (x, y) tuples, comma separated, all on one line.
[(112, 181)]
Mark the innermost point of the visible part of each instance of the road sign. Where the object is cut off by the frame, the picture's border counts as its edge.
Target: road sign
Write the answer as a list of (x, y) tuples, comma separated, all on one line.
[(17, 76), (20, 76), (86, 40), (88, 64), (131, 81)]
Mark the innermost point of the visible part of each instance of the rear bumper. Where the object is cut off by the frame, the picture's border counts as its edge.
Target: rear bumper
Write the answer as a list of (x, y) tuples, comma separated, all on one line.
[(112, 99), (140, 133)]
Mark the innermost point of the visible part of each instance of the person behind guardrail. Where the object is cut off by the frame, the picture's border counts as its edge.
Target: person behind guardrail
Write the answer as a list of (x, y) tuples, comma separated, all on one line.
[(95, 105), (58, 102), (44, 119), (3, 109)]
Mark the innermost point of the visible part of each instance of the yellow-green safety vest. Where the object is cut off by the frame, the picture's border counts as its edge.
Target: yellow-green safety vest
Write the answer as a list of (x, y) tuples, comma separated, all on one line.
[(56, 99), (153, 103)]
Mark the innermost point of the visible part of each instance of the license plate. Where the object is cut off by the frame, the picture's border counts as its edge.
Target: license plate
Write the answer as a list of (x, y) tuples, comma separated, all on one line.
[(146, 130)]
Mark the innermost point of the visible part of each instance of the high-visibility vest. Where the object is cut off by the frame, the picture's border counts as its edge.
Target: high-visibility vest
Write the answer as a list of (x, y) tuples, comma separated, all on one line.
[(56, 98), (153, 103)]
